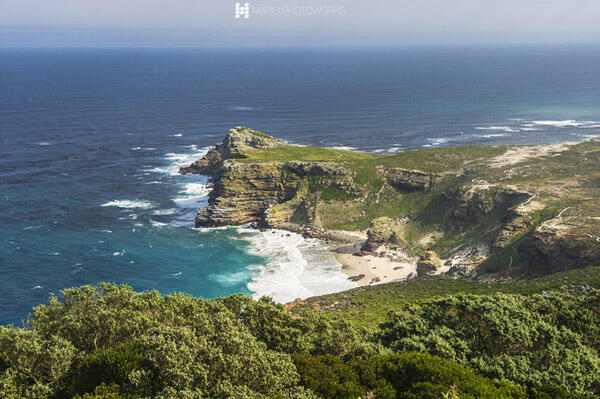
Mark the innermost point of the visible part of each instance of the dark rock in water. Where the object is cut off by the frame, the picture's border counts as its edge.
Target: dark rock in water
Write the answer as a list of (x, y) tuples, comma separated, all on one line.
[(357, 277)]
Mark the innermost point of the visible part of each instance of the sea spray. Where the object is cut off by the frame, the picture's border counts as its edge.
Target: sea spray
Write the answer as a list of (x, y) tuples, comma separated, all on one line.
[(296, 267)]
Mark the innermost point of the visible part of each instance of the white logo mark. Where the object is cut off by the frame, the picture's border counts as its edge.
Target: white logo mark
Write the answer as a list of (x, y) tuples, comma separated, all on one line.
[(242, 10)]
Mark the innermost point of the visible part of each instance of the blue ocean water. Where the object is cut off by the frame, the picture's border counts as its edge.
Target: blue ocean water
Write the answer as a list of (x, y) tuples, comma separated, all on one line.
[(91, 139)]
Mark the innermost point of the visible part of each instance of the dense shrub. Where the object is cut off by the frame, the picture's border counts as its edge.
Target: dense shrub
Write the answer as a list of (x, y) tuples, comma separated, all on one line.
[(406, 375), (533, 341), (329, 376), (108, 342), (146, 344)]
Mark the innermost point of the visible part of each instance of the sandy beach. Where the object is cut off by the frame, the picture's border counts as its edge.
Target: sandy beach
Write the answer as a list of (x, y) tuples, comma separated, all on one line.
[(386, 267)]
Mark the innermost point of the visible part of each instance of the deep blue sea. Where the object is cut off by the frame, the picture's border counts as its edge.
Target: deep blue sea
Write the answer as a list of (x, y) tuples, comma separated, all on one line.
[(91, 140)]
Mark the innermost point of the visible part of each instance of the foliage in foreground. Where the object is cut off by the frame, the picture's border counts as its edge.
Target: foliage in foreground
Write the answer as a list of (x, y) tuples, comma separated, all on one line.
[(406, 375), (165, 346), (531, 340), (110, 342)]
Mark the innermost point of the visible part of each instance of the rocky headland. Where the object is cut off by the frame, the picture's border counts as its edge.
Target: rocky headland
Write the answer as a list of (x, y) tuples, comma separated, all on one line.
[(487, 212)]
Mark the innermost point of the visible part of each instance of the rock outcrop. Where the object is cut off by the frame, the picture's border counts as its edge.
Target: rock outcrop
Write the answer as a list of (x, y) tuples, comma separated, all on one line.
[(383, 230), (428, 263), (474, 201), (412, 180), (563, 243), (247, 192)]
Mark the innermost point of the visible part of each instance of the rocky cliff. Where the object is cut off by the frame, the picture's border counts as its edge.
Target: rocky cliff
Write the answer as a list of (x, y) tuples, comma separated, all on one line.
[(484, 210)]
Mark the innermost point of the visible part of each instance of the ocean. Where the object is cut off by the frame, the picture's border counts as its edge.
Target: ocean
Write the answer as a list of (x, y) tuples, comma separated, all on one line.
[(91, 141)]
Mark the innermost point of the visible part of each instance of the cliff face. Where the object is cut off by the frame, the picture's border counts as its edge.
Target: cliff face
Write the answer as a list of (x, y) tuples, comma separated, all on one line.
[(458, 203)]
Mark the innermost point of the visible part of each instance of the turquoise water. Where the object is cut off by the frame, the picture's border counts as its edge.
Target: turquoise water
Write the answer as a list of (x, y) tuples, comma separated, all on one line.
[(91, 141)]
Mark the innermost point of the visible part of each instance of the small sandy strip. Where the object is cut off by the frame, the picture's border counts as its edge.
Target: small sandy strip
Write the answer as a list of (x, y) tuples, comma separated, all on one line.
[(376, 269)]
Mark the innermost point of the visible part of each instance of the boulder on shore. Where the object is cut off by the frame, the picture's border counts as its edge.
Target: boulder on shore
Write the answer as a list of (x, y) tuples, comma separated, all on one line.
[(428, 263)]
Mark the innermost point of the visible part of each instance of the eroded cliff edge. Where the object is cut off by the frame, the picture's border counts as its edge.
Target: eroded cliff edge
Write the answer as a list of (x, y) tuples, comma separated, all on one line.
[(501, 211)]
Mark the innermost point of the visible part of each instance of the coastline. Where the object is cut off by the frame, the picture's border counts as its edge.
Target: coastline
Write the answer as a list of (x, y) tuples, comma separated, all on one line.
[(386, 267)]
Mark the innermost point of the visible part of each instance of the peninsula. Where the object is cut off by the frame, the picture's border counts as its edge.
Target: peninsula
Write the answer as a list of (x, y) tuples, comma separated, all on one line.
[(477, 211)]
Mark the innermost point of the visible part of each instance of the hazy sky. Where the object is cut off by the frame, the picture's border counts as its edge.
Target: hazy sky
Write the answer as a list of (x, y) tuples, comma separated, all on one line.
[(296, 22)]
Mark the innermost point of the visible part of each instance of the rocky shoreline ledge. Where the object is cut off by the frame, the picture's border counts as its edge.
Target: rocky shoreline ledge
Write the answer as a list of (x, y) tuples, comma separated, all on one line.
[(485, 212)]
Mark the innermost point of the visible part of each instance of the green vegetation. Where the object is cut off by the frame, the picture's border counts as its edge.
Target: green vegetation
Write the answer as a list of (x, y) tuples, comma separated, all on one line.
[(110, 342), (295, 153), (405, 375), (550, 339), (370, 306)]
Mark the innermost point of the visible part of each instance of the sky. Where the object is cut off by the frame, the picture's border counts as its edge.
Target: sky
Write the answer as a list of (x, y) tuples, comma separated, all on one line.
[(213, 23)]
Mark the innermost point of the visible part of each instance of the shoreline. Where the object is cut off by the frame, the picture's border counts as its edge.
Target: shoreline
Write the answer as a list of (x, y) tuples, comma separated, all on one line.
[(388, 266)]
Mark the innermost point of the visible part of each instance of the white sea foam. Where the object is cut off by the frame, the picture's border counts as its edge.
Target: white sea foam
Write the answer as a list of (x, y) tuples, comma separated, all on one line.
[(177, 160), (43, 143), (240, 108), (344, 147), (177, 135), (390, 150), (131, 216), (130, 204), (565, 123), (491, 135), (437, 141), (192, 196), (164, 212), (230, 279), (296, 267), (501, 128), (158, 224), (135, 148)]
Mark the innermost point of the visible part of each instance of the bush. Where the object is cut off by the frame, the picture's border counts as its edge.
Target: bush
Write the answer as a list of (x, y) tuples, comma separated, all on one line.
[(407, 375), (329, 376), (532, 341), (422, 376)]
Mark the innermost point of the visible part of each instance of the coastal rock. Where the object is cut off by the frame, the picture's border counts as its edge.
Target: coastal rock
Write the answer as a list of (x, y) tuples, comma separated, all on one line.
[(477, 200), (428, 263), (413, 180), (244, 192), (248, 192), (357, 277), (205, 166), (383, 230), (564, 243)]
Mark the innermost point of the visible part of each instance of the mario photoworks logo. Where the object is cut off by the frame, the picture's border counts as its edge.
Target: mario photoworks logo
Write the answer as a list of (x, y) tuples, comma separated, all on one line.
[(242, 10)]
